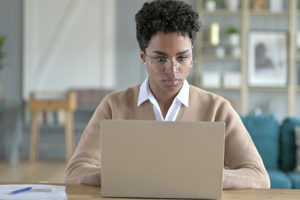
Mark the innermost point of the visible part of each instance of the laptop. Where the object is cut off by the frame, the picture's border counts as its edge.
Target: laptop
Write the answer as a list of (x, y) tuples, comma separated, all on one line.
[(151, 159)]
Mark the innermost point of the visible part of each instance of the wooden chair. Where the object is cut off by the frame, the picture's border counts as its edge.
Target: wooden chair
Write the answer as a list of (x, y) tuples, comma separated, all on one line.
[(36, 106)]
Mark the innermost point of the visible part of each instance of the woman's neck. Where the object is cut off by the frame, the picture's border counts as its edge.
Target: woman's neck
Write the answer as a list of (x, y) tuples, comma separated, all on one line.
[(164, 99)]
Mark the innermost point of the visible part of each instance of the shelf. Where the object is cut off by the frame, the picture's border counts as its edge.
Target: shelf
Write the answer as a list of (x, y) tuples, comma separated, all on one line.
[(245, 18), (252, 12), (220, 11), (251, 89), (222, 44), (268, 89), (215, 58), (269, 13), (220, 89)]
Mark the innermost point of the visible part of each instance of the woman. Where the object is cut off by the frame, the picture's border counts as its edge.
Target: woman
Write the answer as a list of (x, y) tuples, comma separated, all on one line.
[(166, 31)]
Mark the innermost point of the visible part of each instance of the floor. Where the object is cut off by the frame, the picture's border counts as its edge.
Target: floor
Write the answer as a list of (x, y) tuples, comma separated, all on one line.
[(44, 171)]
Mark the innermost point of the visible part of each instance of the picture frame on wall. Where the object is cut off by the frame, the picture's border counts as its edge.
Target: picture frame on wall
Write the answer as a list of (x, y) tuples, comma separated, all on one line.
[(268, 60)]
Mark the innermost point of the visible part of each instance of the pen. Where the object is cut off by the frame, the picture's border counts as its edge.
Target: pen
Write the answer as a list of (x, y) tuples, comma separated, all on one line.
[(21, 190)]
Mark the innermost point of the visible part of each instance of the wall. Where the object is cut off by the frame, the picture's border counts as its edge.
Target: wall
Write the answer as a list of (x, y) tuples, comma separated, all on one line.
[(10, 76), (68, 44), (11, 26), (130, 70)]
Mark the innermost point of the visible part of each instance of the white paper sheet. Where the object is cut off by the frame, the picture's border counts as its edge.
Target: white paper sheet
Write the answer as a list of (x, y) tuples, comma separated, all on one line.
[(38, 192)]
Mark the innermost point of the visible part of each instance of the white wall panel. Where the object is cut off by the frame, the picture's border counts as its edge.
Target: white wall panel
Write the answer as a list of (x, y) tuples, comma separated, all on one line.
[(68, 44)]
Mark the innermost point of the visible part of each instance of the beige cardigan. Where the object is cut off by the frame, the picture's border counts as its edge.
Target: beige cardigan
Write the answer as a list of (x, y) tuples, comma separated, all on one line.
[(246, 166)]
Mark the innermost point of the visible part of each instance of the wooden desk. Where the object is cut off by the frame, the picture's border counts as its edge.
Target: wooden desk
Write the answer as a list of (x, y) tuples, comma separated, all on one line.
[(93, 193), (77, 191)]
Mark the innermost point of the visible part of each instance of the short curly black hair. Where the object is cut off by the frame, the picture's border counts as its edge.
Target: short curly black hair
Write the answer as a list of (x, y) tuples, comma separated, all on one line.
[(165, 16)]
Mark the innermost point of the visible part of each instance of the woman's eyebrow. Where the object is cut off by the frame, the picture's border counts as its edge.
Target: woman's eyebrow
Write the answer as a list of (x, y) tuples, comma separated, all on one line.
[(165, 54), (183, 52), (160, 53)]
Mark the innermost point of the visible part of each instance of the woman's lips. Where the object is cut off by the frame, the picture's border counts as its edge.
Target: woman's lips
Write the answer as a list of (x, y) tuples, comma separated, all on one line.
[(171, 82)]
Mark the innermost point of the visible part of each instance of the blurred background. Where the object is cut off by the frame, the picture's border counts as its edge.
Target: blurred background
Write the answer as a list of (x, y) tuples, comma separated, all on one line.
[(59, 58)]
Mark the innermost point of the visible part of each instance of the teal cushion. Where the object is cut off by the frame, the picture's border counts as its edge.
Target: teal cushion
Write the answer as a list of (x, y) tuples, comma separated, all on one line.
[(264, 130), (295, 177), (288, 147), (242, 117), (279, 179)]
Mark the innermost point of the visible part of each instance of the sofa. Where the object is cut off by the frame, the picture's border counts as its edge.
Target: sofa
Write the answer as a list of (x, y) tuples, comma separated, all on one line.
[(276, 144)]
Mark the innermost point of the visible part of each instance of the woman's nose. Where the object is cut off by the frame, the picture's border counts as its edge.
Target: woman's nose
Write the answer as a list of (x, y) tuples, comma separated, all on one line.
[(173, 67)]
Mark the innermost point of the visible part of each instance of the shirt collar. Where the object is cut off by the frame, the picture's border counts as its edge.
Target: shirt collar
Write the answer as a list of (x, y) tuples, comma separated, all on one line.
[(183, 95), (145, 93)]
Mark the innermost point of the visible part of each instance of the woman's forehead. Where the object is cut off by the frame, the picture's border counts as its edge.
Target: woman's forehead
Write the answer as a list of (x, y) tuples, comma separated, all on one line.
[(169, 42)]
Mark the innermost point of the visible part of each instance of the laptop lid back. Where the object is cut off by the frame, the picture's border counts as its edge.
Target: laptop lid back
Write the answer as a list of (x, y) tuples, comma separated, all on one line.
[(162, 159)]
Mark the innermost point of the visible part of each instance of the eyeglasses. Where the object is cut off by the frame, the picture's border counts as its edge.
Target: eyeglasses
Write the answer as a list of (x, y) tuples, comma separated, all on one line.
[(164, 65)]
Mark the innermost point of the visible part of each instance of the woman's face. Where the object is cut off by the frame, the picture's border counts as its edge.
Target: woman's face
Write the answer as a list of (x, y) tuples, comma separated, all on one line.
[(178, 50)]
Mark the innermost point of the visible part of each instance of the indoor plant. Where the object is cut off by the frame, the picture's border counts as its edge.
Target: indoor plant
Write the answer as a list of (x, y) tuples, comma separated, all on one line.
[(276, 6), (210, 5), (232, 5), (233, 35), (2, 40)]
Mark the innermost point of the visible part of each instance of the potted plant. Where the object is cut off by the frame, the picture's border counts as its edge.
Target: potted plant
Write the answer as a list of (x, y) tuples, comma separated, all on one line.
[(2, 40), (276, 6), (233, 35), (210, 5), (232, 5)]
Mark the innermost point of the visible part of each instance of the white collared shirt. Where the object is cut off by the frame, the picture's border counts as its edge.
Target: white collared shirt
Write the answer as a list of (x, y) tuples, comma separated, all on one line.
[(181, 98)]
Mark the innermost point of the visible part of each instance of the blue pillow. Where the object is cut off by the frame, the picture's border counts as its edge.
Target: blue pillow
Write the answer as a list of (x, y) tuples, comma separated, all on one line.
[(242, 117), (279, 179), (264, 130), (287, 141)]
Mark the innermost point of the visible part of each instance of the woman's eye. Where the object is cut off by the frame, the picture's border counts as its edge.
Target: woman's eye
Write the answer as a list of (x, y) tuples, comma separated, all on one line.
[(161, 60), (181, 58)]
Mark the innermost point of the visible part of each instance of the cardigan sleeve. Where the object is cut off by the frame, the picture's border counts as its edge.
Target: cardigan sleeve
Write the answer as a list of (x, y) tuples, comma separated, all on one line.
[(85, 164), (246, 168)]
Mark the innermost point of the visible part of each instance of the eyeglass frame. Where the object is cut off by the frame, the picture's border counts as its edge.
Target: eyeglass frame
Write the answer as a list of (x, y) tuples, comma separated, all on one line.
[(167, 70)]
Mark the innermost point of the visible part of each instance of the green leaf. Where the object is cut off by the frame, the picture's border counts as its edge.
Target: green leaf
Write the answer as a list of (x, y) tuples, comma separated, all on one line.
[(211, 0), (232, 30), (2, 54), (2, 40)]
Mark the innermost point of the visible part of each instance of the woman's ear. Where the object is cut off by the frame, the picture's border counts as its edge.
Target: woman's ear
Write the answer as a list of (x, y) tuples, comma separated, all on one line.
[(142, 56)]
